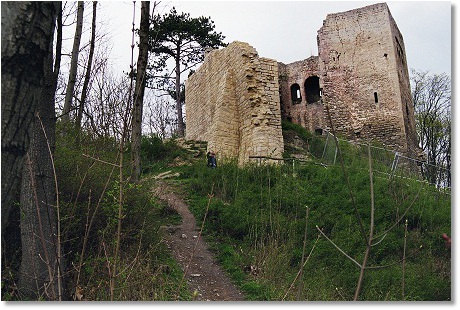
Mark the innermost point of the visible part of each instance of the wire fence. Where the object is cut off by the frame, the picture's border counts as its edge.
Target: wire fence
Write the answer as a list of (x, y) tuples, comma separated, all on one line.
[(388, 162), (385, 162)]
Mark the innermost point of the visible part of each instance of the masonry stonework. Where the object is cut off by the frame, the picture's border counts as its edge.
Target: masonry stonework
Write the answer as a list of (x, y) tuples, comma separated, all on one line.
[(236, 99), (365, 78), (232, 102)]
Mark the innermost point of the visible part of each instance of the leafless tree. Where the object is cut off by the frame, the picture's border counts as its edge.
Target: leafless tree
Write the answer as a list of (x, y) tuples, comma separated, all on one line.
[(28, 84), (136, 123), (88, 71), (27, 29), (39, 223), (74, 63), (160, 116), (104, 116), (432, 104)]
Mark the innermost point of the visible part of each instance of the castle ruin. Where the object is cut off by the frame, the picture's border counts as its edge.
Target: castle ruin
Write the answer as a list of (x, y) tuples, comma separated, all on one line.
[(236, 100)]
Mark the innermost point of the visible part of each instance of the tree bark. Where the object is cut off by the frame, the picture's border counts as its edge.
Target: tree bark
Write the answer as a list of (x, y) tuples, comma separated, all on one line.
[(73, 64), (180, 120), (139, 92), (87, 75), (27, 30), (40, 275)]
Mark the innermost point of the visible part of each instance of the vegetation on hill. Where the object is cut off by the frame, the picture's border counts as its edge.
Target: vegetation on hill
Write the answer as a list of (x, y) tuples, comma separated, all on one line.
[(265, 220), (88, 199)]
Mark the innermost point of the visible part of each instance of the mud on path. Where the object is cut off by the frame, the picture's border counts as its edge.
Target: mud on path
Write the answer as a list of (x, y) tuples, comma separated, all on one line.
[(204, 277)]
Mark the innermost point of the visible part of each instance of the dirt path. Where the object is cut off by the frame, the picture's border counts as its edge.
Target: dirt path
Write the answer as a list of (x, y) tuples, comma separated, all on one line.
[(205, 278)]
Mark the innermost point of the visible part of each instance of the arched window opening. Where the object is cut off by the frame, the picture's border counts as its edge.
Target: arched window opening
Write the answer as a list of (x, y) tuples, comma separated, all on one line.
[(295, 93), (312, 89)]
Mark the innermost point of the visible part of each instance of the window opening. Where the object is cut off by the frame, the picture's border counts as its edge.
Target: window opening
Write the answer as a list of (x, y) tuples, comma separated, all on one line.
[(376, 97), (295, 93), (312, 89)]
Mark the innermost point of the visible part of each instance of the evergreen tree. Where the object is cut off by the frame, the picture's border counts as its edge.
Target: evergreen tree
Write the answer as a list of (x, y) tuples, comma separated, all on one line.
[(184, 40)]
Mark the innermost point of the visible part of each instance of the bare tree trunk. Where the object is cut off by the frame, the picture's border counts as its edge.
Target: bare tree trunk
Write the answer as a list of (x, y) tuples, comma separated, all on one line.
[(73, 63), (40, 275), (180, 120), (88, 73), (27, 30), (371, 228), (139, 92)]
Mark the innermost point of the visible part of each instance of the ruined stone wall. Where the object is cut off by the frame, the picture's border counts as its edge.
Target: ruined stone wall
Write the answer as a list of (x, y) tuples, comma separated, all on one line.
[(235, 101), (309, 114), (232, 102), (360, 75)]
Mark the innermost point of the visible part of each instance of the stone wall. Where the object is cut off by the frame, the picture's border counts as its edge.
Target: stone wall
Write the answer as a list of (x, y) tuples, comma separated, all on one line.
[(235, 101), (308, 113), (232, 102)]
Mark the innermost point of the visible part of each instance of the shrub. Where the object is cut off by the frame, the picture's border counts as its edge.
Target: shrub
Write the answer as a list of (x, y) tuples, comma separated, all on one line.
[(89, 188), (155, 151)]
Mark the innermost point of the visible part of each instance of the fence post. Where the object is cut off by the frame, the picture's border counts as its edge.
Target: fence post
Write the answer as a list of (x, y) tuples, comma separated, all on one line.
[(394, 165), (325, 146), (335, 155)]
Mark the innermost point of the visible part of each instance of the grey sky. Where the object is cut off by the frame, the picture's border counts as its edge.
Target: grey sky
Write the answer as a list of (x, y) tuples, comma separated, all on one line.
[(286, 30)]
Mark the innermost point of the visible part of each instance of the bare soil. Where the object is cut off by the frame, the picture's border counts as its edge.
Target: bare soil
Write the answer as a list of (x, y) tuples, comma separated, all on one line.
[(206, 280)]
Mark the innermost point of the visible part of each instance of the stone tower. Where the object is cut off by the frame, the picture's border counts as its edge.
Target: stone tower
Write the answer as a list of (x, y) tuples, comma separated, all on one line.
[(364, 77)]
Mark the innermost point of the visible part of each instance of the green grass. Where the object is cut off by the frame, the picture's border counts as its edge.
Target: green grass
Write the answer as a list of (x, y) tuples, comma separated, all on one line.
[(257, 219), (255, 224)]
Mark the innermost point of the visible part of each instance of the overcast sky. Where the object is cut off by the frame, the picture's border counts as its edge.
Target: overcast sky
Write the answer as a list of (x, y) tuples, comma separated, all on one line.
[(286, 30)]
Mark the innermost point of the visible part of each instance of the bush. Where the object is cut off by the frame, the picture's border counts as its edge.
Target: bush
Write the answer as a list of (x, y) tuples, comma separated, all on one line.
[(155, 151), (89, 193), (303, 133)]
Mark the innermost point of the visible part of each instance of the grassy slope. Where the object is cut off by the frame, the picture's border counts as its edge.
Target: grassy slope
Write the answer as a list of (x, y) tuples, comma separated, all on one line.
[(257, 223)]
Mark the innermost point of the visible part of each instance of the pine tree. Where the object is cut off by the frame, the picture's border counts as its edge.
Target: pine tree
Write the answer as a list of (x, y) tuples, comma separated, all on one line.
[(184, 40)]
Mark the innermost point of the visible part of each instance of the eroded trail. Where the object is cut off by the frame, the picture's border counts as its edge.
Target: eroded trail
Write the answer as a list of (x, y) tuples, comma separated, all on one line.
[(202, 273)]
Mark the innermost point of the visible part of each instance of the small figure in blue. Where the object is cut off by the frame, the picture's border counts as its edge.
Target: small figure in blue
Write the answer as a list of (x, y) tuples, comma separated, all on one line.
[(212, 161)]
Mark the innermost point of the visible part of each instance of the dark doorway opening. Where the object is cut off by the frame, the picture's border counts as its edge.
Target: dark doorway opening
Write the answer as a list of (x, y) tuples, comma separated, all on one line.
[(312, 89)]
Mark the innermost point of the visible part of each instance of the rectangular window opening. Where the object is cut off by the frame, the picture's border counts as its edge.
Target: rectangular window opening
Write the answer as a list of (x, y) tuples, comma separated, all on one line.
[(376, 97)]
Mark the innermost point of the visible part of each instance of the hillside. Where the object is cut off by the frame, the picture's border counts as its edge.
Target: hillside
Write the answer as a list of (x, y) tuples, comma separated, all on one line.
[(262, 223)]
